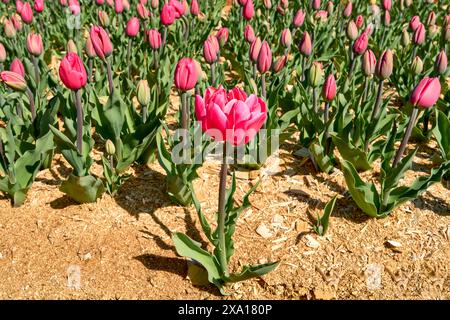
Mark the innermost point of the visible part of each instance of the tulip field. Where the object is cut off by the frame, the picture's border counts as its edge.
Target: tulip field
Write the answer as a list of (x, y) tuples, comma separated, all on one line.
[(224, 149)]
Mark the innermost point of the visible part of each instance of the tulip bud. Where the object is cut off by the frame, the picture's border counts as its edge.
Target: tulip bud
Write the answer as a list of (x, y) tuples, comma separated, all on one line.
[(299, 18), (264, 58), (2, 53), (321, 15), (446, 23), (143, 93), (352, 30), (316, 4), (103, 18), (387, 4), (249, 10), (359, 21), (426, 93), (110, 147), (254, 49), (186, 74), (34, 44), (72, 72), (10, 31), (316, 74), (167, 15), (17, 67), (222, 36), (447, 34), (433, 30), (71, 46), (267, 4), (19, 6), (132, 28), (360, 45), (369, 29), (90, 51), (74, 7), (154, 38), (408, 3), (419, 35), (406, 40), (16, 21), (249, 34), (101, 42), (155, 4), (27, 13), (375, 10), (431, 20), (329, 88), (242, 2), (100, 2), (194, 8), (39, 5), (286, 38), (143, 12), (416, 66), (279, 64), (441, 63), (13, 80), (387, 18), (305, 44), (385, 65), (211, 49), (126, 5), (414, 23), (369, 63), (348, 9), (330, 7), (118, 6)]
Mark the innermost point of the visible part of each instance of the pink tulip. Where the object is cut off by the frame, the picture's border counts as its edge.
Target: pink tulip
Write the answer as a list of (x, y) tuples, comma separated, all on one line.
[(27, 13), (264, 58), (431, 20), (329, 88), (316, 4), (155, 4), (16, 21), (39, 5), (426, 93), (118, 6), (419, 35), (179, 7), (249, 34), (34, 44), (236, 120), (387, 5), (17, 67), (279, 64), (322, 15), (286, 38), (348, 9), (143, 12), (385, 65), (299, 18), (2, 53), (249, 10), (13, 80), (360, 45), (103, 18), (154, 38), (369, 63), (359, 21), (211, 49), (268, 4), (126, 5), (254, 49), (110, 3), (222, 36), (74, 7), (414, 23), (132, 28), (101, 42), (9, 29), (305, 44), (90, 51), (99, 2), (167, 14), (242, 2), (387, 18), (19, 6), (369, 29), (194, 8), (72, 72), (186, 74), (441, 62)]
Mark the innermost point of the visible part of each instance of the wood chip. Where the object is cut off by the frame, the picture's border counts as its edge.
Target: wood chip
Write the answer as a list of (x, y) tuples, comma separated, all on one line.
[(311, 242), (263, 231), (394, 245)]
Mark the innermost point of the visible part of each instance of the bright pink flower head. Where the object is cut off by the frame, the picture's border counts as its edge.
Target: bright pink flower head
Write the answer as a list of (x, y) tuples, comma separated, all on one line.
[(419, 34), (154, 4), (39, 5), (74, 7), (154, 38), (316, 4), (387, 5), (348, 9), (132, 28), (414, 23), (13, 80), (305, 44), (194, 8), (431, 20), (249, 10), (101, 42), (167, 14), (19, 6), (118, 6), (329, 88), (234, 117), (17, 67), (211, 49), (180, 8), (387, 18), (254, 49), (298, 19), (360, 45), (222, 36), (72, 72), (99, 2), (242, 2), (426, 93), (186, 74), (143, 12), (34, 44), (249, 34), (27, 13), (359, 21), (264, 58)]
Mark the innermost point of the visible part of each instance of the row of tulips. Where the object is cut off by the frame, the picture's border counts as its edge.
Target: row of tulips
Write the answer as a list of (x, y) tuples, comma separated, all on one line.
[(323, 70)]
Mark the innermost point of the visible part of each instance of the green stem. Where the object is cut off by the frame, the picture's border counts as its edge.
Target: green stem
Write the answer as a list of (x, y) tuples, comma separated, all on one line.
[(213, 74), (184, 111), (315, 104), (401, 149), (130, 43), (222, 214), (80, 119), (110, 78), (32, 106), (375, 114), (36, 71), (263, 86)]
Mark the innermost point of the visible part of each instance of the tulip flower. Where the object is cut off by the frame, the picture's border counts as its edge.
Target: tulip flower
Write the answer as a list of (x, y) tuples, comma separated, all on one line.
[(387, 4), (299, 18), (16, 21), (267, 4), (132, 28), (431, 19), (154, 4), (26, 13), (286, 38), (211, 54), (419, 35), (194, 8), (424, 95), (417, 66), (359, 21), (330, 7), (414, 23), (222, 36), (369, 63), (279, 64), (99, 2), (167, 15), (348, 9), (103, 18), (13, 80), (74, 7), (316, 4), (249, 34), (352, 30), (154, 39), (305, 44), (249, 10), (2, 55), (406, 40), (19, 6), (143, 12), (17, 67), (321, 15), (103, 48), (441, 63), (10, 31), (185, 79), (264, 63), (143, 96), (34, 44), (118, 6), (73, 75), (360, 45), (39, 5), (329, 88)]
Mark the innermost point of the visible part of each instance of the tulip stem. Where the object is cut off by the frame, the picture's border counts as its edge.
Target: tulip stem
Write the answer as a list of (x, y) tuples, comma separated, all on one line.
[(263, 86), (352, 67), (222, 214), (164, 40), (111, 162), (326, 117), (80, 120), (144, 114), (315, 107), (184, 111), (366, 90), (32, 106), (303, 68), (375, 115), (414, 53), (213, 74), (401, 149), (90, 70), (254, 71), (19, 110), (130, 43), (110, 78), (36, 71), (155, 59)]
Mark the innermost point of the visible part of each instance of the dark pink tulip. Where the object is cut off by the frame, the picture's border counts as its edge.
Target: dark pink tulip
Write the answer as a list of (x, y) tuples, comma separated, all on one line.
[(329, 88), (279, 64), (222, 36), (385, 65), (99, 2), (19, 6), (348, 9), (426, 93), (154, 38), (264, 58), (305, 44), (286, 38), (194, 8), (254, 49), (143, 12), (359, 21), (414, 23), (179, 7), (72, 72), (2, 53), (17, 67), (101, 42), (34, 44), (299, 18), (316, 4), (387, 5), (419, 34), (441, 62), (90, 51), (249, 10), (431, 20), (132, 28), (27, 13), (186, 74), (74, 7), (211, 49), (242, 2), (369, 63), (249, 34), (167, 14), (387, 18), (39, 5), (118, 6), (360, 45)]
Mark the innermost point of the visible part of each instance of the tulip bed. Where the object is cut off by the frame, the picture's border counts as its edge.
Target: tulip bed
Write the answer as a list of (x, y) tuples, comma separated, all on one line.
[(357, 88)]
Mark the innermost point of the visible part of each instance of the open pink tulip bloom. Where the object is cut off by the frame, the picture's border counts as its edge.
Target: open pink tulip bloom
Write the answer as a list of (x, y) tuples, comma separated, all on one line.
[(230, 116)]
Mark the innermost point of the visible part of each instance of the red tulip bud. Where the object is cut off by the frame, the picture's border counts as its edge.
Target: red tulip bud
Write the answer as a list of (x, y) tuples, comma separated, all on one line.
[(10, 31), (359, 21), (360, 45), (167, 14), (155, 4), (316, 4), (118, 6), (348, 9), (419, 35), (222, 36), (211, 49), (186, 74), (387, 4), (267, 4), (19, 6), (103, 18), (13, 80), (329, 88), (132, 28), (279, 64), (101, 42), (154, 38), (254, 49), (305, 44), (27, 13), (39, 5), (387, 18), (90, 51), (414, 23), (143, 12), (194, 8), (264, 58), (299, 18), (441, 62), (249, 10), (2, 53), (249, 34), (431, 20), (426, 93), (72, 72)]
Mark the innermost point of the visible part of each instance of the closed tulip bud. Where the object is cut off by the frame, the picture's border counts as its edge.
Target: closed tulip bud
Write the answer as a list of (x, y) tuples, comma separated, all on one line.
[(264, 58), (299, 18), (13, 80), (279, 64), (110, 147), (90, 51), (433, 30), (321, 15), (194, 8), (101, 42), (387, 5), (19, 6), (360, 45), (74, 7), (186, 74), (249, 34), (387, 18), (71, 46), (408, 3), (143, 12), (126, 5), (27, 13), (330, 7), (2, 53), (267, 4), (132, 28), (180, 8), (143, 93), (426, 93), (414, 23), (348, 9), (118, 6), (316, 74), (154, 38), (406, 40), (369, 29), (72, 72), (17, 67), (369, 63), (34, 44), (447, 34), (305, 44), (441, 63), (100, 2), (286, 38), (16, 21), (39, 5), (352, 30), (222, 36), (254, 49), (375, 10), (329, 88), (431, 20), (103, 18), (211, 49), (419, 35), (416, 66), (316, 4), (385, 65), (167, 15), (242, 2), (249, 10), (359, 21), (155, 4), (110, 3), (10, 31), (446, 23)]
